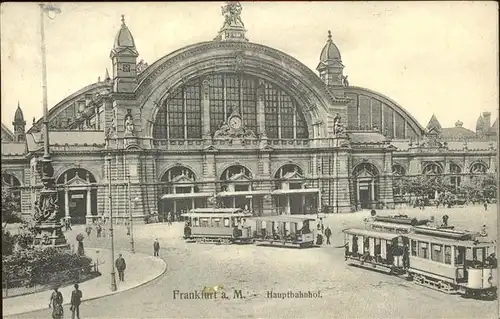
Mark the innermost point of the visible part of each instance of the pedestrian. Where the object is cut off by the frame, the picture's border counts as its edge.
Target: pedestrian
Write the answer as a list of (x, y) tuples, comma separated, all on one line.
[(128, 228), (485, 204), (98, 230), (156, 247), (56, 301), (169, 219), (322, 227), (328, 234), (88, 230), (76, 300), (121, 266), (68, 224)]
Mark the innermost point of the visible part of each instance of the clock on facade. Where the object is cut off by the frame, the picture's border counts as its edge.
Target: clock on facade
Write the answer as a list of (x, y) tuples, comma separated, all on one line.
[(235, 122)]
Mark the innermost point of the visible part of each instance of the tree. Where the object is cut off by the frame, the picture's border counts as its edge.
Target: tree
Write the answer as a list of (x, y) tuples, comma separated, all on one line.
[(478, 187), (10, 207)]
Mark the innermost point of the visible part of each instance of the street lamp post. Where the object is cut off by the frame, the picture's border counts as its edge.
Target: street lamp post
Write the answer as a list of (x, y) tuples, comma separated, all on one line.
[(111, 235), (130, 215), (46, 207)]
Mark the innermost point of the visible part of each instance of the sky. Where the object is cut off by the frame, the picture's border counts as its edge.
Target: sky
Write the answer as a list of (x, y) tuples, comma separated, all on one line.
[(430, 57)]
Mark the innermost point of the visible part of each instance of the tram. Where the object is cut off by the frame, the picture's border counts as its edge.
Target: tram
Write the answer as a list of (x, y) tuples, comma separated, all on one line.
[(372, 249), (453, 261), (441, 258), (284, 230), (217, 225)]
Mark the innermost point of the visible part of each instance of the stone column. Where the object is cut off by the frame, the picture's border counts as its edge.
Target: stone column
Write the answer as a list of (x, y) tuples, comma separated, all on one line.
[(205, 105), (66, 203), (261, 115), (373, 190), (89, 204)]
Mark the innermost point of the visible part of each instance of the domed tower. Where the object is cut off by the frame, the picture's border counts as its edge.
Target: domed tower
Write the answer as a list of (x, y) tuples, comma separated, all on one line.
[(124, 56), (330, 65), (19, 125)]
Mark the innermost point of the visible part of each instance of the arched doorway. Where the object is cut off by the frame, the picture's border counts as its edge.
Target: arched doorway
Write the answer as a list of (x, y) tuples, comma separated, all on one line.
[(180, 192), (11, 184), (292, 194), (433, 174), (366, 179), (236, 188), (78, 197)]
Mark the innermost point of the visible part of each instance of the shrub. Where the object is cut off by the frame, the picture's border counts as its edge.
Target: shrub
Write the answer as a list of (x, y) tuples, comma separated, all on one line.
[(44, 265)]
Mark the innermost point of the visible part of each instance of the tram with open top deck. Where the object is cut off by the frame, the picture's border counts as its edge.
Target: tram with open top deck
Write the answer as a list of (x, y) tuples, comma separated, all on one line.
[(375, 249), (284, 230), (217, 225), (453, 261)]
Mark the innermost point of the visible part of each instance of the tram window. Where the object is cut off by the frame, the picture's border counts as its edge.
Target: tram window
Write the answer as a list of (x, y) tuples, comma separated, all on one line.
[(459, 255), (480, 254), (204, 222), (447, 255), (413, 247), (422, 251), (215, 222), (226, 222), (437, 252)]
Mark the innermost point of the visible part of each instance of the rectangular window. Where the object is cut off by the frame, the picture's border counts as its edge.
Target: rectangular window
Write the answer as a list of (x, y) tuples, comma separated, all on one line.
[(447, 255), (459, 256), (193, 110), (376, 114), (437, 253), (352, 112), (414, 248), (176, 116), (423, 250), (364, 112), (271, 111), (301, 125), (216, 95), (232, 94), (286, 110), (249, 104)]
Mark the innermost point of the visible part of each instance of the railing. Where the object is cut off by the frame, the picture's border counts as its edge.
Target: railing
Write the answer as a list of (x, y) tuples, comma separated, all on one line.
[(22, 286)]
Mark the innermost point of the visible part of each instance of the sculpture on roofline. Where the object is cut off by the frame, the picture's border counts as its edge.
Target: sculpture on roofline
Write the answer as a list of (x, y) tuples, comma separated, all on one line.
[(232, 14)]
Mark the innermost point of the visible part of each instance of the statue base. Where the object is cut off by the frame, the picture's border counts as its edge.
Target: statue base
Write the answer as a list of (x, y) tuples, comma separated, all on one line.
[(49, 234)]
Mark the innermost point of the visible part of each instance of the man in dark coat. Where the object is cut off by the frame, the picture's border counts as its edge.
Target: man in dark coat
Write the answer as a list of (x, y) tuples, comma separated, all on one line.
[(156, 248), (121, 266), (76, 300), (328, 234)]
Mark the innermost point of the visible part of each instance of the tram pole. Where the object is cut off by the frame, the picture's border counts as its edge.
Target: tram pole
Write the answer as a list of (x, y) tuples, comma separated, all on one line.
[(111, 235), (132, 249)]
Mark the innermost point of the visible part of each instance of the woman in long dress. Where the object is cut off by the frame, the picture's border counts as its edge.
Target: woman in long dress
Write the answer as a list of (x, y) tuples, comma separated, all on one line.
[(56, 301)]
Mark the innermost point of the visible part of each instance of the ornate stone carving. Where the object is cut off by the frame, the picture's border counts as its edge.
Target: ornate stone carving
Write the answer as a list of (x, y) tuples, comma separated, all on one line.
[(344, 81), (173, 62), (206, 86), (129, 125), (234, 128), (338, 128), (141, 66), (111, 133), (238, 62), (232, 14)]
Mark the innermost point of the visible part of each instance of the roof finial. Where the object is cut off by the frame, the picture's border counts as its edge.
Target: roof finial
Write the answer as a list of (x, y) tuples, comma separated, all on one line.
[(329, 35), (123, 19), (18, 106)]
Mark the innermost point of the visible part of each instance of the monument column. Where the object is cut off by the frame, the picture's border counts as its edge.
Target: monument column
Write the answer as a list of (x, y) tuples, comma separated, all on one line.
[(205, 105)]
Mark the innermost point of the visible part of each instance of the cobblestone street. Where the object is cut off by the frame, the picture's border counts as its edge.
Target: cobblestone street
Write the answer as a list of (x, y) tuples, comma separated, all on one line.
[(346, 292)]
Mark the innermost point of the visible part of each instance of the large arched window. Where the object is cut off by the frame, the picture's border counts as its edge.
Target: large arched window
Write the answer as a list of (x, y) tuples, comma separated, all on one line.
[(478, 168), (181, 115), (432, 169)]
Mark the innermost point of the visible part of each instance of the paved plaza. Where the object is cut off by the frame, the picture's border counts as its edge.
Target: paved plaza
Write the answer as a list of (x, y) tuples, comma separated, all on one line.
[(345, 291)]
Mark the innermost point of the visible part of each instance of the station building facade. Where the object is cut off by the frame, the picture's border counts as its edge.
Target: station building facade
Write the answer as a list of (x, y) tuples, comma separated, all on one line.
[(236, 123)]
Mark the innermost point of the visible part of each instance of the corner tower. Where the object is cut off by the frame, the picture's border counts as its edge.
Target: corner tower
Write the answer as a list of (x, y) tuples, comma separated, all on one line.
[(124, 56), (330, 65), (19, 125)]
